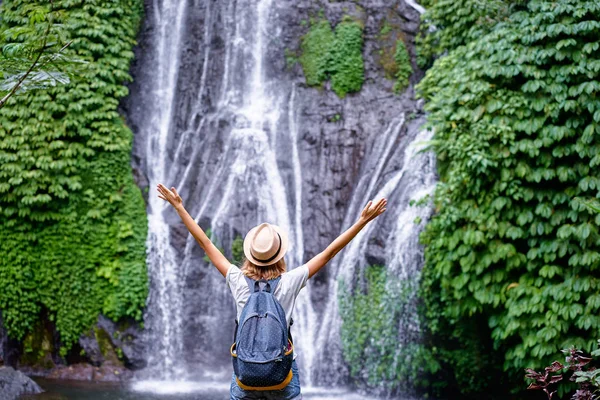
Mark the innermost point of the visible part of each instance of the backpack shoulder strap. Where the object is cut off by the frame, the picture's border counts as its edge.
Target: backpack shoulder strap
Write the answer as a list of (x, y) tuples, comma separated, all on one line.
[(270, 285), (273, 283), (250, 283)]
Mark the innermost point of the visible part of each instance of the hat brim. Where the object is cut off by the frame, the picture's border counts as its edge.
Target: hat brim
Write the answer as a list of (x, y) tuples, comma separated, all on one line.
[(284, 246)]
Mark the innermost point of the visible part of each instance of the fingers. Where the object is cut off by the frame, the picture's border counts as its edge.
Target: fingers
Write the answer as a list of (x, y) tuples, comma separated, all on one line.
[(376, 210), (164, 192)]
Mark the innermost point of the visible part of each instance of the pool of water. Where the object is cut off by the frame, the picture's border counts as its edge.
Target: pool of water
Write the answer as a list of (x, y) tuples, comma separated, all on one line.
[(62, 390)]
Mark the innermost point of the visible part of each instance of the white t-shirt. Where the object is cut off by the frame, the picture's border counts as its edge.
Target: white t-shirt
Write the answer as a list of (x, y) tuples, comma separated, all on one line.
[(286, 291)]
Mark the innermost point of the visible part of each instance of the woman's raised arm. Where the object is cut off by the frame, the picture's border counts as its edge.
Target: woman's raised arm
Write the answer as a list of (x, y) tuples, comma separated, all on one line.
[(369, 213), (213, 253)]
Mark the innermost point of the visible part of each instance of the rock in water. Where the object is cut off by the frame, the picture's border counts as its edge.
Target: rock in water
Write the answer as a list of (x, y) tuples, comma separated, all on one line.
[(15, 383)]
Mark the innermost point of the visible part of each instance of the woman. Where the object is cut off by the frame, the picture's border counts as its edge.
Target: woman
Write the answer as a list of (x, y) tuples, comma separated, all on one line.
[(264, 248)]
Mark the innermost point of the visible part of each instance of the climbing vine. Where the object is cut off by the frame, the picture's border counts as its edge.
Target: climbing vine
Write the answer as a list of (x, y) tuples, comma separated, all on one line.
[(515, 243), (448, 24), (73, 227)]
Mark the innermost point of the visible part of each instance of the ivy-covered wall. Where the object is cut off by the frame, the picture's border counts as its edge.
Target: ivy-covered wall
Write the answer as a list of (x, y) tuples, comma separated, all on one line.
[(513, 255), (73, 224)]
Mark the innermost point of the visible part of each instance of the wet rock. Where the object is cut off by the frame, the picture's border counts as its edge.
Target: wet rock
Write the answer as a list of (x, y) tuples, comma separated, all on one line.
[(40, 346), (115, 343), (14, 384), (87, 372), (76, 372), (9, 348)]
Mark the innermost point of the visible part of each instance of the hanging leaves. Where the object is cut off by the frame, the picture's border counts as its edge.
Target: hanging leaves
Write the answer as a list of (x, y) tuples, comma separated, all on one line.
[(73, 226), (516, 238)]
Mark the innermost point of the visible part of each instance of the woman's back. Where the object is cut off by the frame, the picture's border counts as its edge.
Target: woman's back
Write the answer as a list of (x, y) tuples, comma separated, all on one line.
[(286, 292)]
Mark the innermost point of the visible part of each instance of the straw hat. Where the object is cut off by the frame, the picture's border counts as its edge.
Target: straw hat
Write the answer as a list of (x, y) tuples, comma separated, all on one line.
[(265, 244)]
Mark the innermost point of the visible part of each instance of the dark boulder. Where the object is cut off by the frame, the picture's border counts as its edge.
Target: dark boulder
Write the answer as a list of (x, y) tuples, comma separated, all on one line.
[(15, 383)]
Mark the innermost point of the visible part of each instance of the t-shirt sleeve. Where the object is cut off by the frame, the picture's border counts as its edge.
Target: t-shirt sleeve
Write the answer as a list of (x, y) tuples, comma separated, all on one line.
[(233, 277), (297, 278)]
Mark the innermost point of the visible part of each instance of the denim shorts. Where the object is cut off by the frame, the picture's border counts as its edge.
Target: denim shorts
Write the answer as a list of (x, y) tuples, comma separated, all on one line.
[(290, 392)]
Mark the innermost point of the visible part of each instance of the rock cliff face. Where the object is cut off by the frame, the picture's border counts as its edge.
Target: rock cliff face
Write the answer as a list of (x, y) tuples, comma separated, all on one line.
[(218, 113)]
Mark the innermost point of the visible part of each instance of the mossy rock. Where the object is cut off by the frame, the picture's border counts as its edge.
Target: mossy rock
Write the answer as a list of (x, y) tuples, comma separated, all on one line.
[(38, 347), (107, 349)]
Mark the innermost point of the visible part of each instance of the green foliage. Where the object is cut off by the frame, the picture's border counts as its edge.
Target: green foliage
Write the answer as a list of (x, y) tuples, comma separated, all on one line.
[(403, 68), (516, 115), (291, 58), (334, 118), (237, 250), (369, 333), (316, 49), (32, 48), (346, 66), (448, 24), (336, 56), (385, 29), (73, 227)]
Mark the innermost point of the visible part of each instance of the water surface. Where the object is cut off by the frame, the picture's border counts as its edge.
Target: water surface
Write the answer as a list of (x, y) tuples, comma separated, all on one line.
[(64, 390)]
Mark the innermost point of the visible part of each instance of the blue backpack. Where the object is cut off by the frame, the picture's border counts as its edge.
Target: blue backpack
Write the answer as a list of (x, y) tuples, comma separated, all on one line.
[(262, 351)]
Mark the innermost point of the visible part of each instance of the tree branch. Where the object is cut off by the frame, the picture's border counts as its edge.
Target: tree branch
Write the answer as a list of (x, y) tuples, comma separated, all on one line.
[(31, 67)]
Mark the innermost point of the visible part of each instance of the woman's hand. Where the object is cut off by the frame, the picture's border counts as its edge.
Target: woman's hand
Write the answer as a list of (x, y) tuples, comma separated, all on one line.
[(372, 211), (170, 195), (213, 253)]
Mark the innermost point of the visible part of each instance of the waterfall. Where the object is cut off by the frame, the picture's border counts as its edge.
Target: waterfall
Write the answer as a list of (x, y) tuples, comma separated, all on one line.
[(216, 114), (165, 298)]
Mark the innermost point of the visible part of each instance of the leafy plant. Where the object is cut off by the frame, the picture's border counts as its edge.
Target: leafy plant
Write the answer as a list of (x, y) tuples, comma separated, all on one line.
[(336, 56), (369, 333), (404, 69), (587, 379), (448, 24), (515, 242), (33, 49), (385, 29), (73, 226), (237, 250)]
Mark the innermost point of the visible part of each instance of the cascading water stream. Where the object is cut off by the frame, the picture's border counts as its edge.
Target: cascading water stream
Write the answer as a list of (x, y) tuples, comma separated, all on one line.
[(252, 163), (165, 299)]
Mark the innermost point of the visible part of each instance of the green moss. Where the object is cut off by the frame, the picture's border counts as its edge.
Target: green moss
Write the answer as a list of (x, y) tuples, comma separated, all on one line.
[(316, 49), (334, 118), (403, 67), (73, 226), (38, 347), (346, 63), (291, 58), (108, 351), (336, 56), (385, 29)]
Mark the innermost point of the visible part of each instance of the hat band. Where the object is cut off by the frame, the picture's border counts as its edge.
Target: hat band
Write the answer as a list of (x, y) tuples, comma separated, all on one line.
[(274, 255)]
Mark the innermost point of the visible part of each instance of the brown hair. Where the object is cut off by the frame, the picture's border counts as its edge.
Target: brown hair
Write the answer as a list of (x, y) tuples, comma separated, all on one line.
[(256, 272)]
